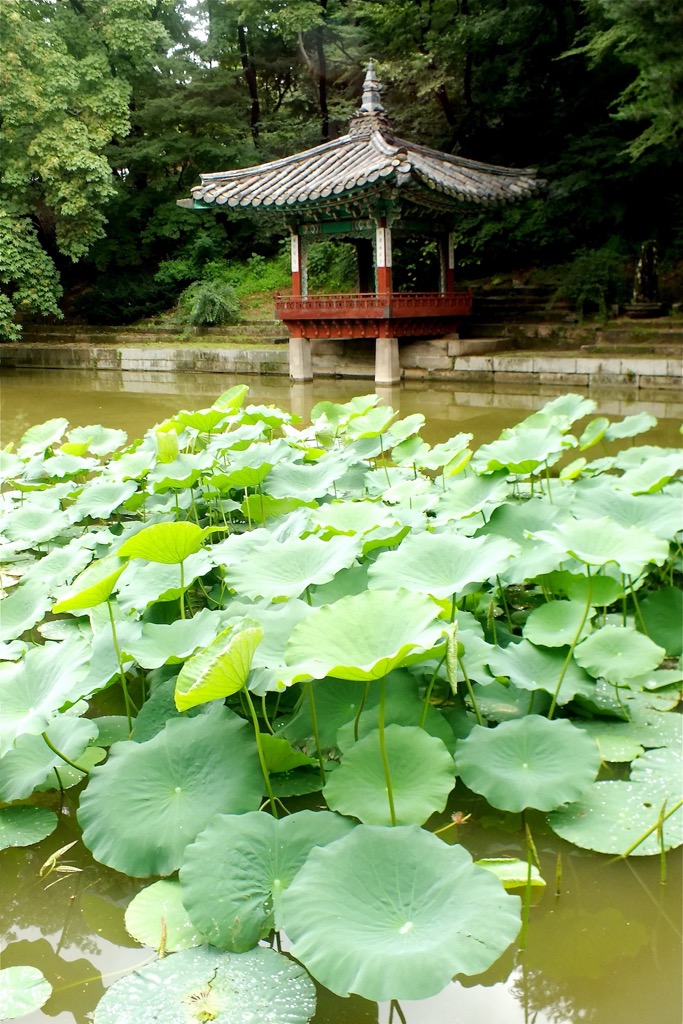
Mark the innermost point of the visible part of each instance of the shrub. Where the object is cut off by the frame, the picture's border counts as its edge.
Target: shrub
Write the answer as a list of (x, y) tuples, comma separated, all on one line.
[(210, 304)]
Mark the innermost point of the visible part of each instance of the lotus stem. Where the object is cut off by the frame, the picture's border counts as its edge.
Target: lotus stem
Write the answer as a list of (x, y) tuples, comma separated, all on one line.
[(356, 721), (636, 606), (531, 845), (558, 875), (395, 1005), (470, 691), (572, 647), (383, 751), (384, 464), (63, 757), (122, 674), (261, 755), (662, 851), (653, 828), (182, 591), (316, 735), (526, 908), (264, 712), (505, 604), (428, 692)]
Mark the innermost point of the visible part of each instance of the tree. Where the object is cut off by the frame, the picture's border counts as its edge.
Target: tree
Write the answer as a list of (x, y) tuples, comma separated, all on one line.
[(66, 75)]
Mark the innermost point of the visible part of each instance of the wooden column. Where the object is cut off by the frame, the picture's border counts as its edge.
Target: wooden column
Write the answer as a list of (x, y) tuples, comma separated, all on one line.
[(383, 256), (296, 247)]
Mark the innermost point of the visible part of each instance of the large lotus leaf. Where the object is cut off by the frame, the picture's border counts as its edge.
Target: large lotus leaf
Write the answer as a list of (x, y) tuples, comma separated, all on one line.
[(358, 787), (364, 636), (221, 669), (232, 399), (100, 440), (67, 466), (409, 912), (611, 816), (593, 432), (204, 420), (64, 776), (94, 585), (157, 710), (22, 990), (522, 450), (617, 741), (205, 984), (60, 566), (652, 475), (24, 826), (168, 543), (30, 761), (557, 623), (564, 410), (129, 466), (156, 644), (661, 767), (156, 917), (153, 581), (338, 413), (537, 668), (599, 541), (467, 496), (441, 564), (336, 702), (163, 792), (599, 590), (286, 569), (277, 622), (259, 507), (631, 425), (99, 499), (235, 872), (662, 611), (617, 653), (530, 762), (42, 436), (23, 609), (280, 756), (31, 525), (10, 465), (33, 691), (350, 517), (517, 521), (513, 873), (307, 482), (661, 514), (406, 427)]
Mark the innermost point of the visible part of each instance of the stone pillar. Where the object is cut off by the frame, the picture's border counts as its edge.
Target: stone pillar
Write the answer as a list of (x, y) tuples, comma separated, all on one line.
[(383, 256), (300, 360), (387, 366), (447, 261)]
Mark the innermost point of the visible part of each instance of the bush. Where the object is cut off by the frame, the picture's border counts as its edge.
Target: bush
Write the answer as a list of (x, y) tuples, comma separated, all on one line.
[(595, 280), (210, 304), (123, 300), (332, 267)]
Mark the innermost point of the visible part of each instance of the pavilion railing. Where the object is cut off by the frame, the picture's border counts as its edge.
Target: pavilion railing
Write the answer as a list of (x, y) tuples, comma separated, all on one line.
[(374, 305)]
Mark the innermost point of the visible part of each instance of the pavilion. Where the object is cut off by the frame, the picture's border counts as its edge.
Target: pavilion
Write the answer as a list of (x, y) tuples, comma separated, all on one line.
[(366, 187)]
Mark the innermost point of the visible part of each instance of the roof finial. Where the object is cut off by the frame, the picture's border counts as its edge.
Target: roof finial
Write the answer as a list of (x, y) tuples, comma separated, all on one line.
[(371, 102)]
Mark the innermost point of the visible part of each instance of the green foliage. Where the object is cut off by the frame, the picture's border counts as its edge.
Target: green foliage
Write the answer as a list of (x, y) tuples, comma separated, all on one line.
[(210, 304), (595, 280), (332, 267), (29, 282)]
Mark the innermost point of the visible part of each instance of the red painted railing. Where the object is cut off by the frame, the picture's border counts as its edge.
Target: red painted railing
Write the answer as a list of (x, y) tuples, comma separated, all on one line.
[(370, 305)]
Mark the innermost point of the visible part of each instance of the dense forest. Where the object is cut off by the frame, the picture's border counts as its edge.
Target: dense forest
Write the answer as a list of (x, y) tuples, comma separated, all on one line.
[(109, 109)]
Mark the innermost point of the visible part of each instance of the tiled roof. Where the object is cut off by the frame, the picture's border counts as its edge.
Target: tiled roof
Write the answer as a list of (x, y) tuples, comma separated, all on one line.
[(368, 153)]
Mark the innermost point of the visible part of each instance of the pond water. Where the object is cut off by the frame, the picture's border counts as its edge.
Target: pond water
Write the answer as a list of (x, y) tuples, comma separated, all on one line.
[(606, 950)]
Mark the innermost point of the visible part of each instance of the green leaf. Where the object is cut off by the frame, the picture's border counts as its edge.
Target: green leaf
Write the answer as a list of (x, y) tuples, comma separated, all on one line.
[(662, 611), (441, 564), (162, 795), (205, 985), (22, 609), (100, 498), (600, 541), (593, 432), (99, 440), (168, 543), (409, 912), (611, 816), (358, 787), (539, 668), (159, 644), (630, 426), (232, 399), (42, 436), (281, 756), (618, 653), (285, 569), (24, 826), (530, 762), (258, 856), (22, 990), (94, 585), (30, 761), (512, 873), (364, 636), (556, 623), (157, 915), (221, 669)]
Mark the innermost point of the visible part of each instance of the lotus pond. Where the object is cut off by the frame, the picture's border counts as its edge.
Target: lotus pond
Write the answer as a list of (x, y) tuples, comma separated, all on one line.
[(303, 722)]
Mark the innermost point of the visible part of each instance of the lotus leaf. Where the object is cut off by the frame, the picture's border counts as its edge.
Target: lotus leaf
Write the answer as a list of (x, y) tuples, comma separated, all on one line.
[(33, 691), (537, 668), (364, 636), (661, 767), (257, 857), (31, 526), (94, 585), (221, 669), (600, 541), (654, 474), (631, 425), (512, 873), (204, 984), (169, 543), (281, 756), (23, 609), (336, 703), (593, 432), (523, 450), (662, 612), (286, 569), (155, 581), (611, 816), (441, 564), (42, 436), (100, 498), (24, 826), (22, 990), (30, 761), (557, 624), (358, 787), (618, 653), (409, 912), (232, 399), (156, 917), (530, 762), (162, 795), (99, 440), (60, 566), (157, 644)]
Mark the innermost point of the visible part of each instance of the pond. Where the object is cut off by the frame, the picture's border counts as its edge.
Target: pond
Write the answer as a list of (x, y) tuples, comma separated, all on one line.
[(604, 938)]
